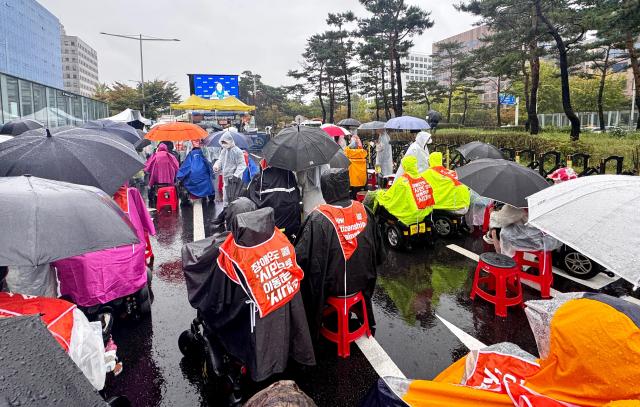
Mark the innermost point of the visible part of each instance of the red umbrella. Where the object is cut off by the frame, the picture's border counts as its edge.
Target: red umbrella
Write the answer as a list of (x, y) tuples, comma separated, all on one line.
[(334, 131)]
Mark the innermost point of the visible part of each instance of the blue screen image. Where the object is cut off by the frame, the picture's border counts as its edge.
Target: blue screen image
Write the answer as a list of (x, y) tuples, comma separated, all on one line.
[(215, 86)]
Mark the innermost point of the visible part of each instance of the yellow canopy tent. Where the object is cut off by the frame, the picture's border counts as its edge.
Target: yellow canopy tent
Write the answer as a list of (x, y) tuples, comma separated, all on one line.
[(193, 102), (230, 103)]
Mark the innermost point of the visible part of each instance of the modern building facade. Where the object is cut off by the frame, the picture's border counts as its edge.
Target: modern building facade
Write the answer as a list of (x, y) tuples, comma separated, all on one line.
[(54, 107), (470, 40), (418, 67), (79, 65), (30, 42)]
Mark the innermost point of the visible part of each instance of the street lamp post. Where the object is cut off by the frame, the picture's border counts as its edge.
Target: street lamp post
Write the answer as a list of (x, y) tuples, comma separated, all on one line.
[(140, 38)]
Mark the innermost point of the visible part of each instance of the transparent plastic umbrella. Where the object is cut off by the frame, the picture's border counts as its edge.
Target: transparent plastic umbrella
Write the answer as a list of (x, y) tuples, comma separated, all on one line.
[(598, 216)]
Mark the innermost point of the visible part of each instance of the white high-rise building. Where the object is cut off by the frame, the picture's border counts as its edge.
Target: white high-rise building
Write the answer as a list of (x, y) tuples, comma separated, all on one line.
[(79, 65), (418, 68)]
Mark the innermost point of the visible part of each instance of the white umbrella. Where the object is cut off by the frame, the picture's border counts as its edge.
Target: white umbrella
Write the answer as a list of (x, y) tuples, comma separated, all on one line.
[(598, 215)]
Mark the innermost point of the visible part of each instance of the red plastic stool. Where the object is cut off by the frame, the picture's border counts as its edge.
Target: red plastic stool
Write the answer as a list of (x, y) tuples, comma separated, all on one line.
[(360, 195), (167, 196), (149, 257), (336, 305), (503, 275), (543, 263)]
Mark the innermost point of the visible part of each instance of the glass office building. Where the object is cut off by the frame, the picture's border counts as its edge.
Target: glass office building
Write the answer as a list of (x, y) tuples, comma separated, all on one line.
[(30, 42), (20, 98)]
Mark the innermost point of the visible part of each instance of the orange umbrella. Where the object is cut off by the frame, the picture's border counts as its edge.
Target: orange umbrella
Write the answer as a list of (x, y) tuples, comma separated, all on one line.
[(177, 131)]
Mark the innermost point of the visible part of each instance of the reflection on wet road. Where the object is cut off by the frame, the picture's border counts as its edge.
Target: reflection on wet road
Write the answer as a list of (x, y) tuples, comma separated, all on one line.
[(412, 288)]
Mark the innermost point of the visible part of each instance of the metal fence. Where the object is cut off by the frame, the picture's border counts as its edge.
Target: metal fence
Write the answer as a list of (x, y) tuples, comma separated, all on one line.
[(613, 118), (545, 163)]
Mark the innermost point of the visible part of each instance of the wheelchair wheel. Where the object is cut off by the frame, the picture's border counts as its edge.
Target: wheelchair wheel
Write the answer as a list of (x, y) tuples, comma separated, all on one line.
[(187, 343), (443, 226), (394, 237)]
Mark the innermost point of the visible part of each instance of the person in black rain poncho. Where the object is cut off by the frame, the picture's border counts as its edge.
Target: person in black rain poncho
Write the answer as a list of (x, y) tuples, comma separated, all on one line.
[(264, 343), (327, 256), (277, 188)]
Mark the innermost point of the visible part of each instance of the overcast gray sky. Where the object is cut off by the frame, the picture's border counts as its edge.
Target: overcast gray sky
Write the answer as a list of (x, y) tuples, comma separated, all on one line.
[(217, 36)]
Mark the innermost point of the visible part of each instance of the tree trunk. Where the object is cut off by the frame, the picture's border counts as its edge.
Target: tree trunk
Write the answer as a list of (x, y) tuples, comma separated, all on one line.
[(332, 101), (465, 107), (634, 59), (377, 101), (525, 80), (392, 82), (534, 65), (399, 82), (564, 75), (385, 99), (603, 77), (427, 101), (324, 110), (347, 90), (498, 104)]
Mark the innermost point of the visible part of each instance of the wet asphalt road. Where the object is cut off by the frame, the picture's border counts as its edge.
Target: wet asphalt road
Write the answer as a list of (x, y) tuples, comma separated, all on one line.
[(412, 288)]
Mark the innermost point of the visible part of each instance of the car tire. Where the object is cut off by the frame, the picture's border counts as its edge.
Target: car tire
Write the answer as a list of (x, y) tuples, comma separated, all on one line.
[(443, 226), (578, 265)]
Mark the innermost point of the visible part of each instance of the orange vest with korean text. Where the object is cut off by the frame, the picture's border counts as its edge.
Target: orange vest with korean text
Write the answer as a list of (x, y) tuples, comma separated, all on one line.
[(56, 314), (451, 174), (348, 223), (422, 191), (268, 272)]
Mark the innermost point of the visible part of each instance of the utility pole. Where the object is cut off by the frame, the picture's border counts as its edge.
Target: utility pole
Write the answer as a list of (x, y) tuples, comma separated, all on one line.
[(140, 38)]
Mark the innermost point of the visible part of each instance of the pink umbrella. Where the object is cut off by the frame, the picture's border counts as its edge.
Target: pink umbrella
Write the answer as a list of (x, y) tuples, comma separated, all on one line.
[(334, 131)]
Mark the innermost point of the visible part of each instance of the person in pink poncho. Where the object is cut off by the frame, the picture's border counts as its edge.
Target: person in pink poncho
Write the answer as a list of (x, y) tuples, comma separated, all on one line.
[(162, 167), (100, 277)]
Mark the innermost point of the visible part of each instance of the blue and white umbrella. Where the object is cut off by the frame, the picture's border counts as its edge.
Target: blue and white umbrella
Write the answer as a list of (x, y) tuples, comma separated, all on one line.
[(406, 123), (213, 139)]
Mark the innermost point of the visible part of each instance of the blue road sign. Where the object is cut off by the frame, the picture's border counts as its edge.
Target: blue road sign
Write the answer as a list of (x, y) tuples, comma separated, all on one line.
[(507, 99)]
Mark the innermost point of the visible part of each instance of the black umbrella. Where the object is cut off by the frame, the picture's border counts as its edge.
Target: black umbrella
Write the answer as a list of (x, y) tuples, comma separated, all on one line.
[(77, 155), (477, 149), (43, 221), (340, 160), (141, 144), (349, 123), (502, 180), (19, 126), (36, 371), (434, 115), (122, 130), (299, 148)]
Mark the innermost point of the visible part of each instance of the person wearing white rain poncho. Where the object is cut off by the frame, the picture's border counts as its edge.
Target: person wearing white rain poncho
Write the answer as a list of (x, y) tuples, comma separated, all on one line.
[(309, 184), (384, 155), (232, 165), (419, 150)]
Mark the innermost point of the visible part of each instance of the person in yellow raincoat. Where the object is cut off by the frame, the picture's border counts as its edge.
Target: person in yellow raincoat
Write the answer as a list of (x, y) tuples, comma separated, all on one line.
[(589, 346), (410, 198), (448, 193)]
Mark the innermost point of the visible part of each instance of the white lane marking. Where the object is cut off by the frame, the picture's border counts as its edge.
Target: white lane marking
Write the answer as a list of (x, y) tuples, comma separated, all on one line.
[(375, 354), (468, 340), (597, 282), (631, 299), (467, 253), (378, 358), (198, 221)]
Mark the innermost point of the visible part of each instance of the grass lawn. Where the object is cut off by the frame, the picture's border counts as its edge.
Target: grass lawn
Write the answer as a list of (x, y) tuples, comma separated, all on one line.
[(595, 144)]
